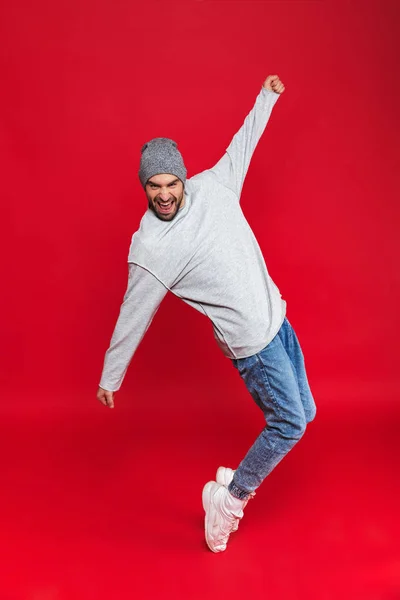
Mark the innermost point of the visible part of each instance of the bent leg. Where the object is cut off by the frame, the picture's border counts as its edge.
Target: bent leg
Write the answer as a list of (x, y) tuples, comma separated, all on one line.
[(292, 346), (272, 382)]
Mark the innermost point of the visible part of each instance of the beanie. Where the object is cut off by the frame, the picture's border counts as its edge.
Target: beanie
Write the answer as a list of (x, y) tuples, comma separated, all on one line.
[(161, 155)]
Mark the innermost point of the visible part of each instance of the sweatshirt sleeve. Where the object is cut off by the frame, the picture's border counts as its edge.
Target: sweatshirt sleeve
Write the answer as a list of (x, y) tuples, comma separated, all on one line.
[(231, 169), (140, 303)]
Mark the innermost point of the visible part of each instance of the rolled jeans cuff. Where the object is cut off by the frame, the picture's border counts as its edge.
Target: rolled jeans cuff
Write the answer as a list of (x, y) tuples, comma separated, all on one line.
[(237, 491)]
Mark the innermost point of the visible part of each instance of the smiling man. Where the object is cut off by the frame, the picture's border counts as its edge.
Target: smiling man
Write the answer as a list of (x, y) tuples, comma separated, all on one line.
[(165, 196), (195, 242)]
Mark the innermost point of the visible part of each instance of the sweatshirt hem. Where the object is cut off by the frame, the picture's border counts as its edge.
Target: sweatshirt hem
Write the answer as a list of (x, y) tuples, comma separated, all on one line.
[(257, 348)]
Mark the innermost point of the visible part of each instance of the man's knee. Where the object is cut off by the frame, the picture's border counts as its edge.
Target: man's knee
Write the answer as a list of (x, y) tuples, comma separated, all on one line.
[(310, 413), (297, 427), (291, 430)]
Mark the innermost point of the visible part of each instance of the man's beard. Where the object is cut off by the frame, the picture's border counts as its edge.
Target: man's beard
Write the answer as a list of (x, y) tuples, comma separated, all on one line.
[(170, 216)]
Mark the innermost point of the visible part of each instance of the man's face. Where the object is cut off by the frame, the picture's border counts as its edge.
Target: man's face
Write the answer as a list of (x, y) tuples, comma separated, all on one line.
[(165, 195)]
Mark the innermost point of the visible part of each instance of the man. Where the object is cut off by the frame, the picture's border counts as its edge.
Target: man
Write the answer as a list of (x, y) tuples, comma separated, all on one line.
[(195, 241)]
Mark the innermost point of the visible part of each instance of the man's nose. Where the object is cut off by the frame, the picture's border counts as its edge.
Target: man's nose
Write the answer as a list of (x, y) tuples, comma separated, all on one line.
[(164, 196)]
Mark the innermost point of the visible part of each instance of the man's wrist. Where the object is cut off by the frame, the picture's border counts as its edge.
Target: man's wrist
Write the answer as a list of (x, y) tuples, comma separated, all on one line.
[(268, 90)]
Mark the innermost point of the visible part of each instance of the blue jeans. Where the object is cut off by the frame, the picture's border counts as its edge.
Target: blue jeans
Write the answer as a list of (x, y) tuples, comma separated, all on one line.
[(277, 380)]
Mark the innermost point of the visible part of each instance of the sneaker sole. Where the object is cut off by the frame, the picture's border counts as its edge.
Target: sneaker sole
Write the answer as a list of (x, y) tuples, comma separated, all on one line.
[(207, 502), (224, 477)]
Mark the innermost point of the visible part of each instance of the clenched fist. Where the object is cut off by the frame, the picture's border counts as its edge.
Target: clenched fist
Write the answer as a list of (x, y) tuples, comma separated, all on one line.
[(106, 397), (274, 84)]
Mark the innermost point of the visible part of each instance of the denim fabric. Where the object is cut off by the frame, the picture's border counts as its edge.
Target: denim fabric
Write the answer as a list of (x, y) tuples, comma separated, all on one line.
[(276, 379)]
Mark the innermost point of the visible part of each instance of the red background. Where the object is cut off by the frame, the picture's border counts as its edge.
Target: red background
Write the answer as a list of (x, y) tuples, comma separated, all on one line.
[(107, 504)]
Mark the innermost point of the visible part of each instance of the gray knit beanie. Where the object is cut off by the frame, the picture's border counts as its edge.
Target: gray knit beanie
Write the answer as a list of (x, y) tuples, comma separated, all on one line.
[(161, 155)]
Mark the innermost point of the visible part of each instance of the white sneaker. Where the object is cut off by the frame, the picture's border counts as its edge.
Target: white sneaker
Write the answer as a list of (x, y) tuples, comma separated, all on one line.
[(222, 512), (224, 477)]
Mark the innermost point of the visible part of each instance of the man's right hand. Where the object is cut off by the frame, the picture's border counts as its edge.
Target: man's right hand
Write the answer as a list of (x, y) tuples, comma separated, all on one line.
[(274, 84), (106, 397)]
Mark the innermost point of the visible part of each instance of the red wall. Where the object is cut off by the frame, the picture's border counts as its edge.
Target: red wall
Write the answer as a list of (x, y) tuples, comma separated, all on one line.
[(85, 84)]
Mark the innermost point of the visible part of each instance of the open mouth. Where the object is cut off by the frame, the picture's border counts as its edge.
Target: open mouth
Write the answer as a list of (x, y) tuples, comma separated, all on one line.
[(165, 207)]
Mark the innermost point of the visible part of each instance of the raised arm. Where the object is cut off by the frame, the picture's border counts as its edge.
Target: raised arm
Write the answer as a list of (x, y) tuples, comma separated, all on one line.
[(140, 303), (231, 169)]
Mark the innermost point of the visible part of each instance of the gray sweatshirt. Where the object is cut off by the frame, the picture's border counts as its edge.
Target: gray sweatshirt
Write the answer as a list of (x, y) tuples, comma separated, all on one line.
[(208, 256)]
